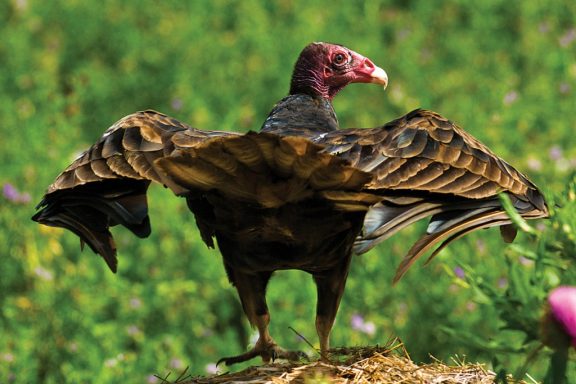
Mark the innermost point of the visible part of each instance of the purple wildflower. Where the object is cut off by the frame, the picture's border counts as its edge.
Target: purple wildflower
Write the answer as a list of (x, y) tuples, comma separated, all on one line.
[(151, 379), (10, 192), (369, 328), (176, 363), (562, 301), (211, 369), (133, 330), (176, 104), (534, 164), (459, 272), (564, 88), (358, 324), (510, 97), (555, 153), (135, 303), (568, 37)]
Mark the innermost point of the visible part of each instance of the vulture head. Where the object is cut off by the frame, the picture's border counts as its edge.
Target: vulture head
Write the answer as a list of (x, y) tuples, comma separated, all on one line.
[(323, 69)]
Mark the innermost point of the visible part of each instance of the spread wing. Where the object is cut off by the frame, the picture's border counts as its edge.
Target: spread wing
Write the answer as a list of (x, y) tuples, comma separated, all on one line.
[(426, 166), (107, 184), (418, 166)]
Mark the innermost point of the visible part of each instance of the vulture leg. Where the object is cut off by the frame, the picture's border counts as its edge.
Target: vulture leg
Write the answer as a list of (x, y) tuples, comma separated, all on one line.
[(252, 291), (330, 286)]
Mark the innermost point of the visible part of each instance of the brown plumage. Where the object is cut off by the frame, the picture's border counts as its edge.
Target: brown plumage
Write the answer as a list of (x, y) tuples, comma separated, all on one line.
[(424, 165), (300, 194)]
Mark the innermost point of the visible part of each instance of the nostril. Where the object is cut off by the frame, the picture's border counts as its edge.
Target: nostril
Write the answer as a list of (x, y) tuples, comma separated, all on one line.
[(369, 64)]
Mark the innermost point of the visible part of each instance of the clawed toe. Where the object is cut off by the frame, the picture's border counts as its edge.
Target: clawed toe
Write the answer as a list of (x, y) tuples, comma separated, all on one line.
[(267, 353), (238, 359)]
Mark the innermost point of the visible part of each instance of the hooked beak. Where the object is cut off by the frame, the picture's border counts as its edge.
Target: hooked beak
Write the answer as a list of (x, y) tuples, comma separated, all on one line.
[(379, 76), (367, 72)]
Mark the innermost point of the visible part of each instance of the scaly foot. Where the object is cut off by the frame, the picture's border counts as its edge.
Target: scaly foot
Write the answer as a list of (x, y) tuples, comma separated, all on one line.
[(267, 351)]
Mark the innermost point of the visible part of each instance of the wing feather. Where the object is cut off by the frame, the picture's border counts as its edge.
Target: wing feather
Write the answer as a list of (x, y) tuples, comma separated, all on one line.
[(107, 184), (445, 173)]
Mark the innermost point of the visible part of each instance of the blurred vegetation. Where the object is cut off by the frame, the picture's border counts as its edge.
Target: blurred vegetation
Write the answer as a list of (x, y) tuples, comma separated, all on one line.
[(506, 71)]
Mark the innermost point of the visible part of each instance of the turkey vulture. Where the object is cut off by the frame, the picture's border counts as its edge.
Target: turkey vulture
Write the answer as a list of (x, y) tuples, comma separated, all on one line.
[(300, 194)]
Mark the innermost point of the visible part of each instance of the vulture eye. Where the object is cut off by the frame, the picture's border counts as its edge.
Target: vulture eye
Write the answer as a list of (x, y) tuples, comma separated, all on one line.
[(339, 59)]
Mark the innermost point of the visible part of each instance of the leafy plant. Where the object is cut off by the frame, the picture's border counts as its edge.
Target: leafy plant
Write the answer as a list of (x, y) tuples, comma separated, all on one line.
[(543, 261)]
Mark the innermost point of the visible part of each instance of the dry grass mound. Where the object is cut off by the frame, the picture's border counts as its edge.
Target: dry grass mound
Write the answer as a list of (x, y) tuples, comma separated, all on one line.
[(389, 364)]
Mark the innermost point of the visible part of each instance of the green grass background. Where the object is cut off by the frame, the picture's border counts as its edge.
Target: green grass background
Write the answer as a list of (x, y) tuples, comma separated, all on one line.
[(504, 70)]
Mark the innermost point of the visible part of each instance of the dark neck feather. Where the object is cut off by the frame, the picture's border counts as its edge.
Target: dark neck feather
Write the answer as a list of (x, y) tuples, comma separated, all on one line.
[(301, 115)]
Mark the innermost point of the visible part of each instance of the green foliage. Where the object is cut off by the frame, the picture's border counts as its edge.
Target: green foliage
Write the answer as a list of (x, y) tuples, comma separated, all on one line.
[(544, 261), (505, 71)]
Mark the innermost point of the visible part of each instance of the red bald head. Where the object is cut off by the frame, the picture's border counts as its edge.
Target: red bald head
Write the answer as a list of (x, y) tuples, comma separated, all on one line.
[(324, 69)]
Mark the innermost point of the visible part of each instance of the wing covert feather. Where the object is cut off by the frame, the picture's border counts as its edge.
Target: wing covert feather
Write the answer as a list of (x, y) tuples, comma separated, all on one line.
[(426, 152)]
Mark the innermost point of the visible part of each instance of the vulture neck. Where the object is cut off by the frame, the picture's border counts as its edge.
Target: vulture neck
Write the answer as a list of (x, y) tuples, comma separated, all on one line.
[(308, 79), (301, 115)]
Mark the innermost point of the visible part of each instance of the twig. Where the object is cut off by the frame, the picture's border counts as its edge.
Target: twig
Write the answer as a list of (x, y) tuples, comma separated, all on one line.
[(304, 338)]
